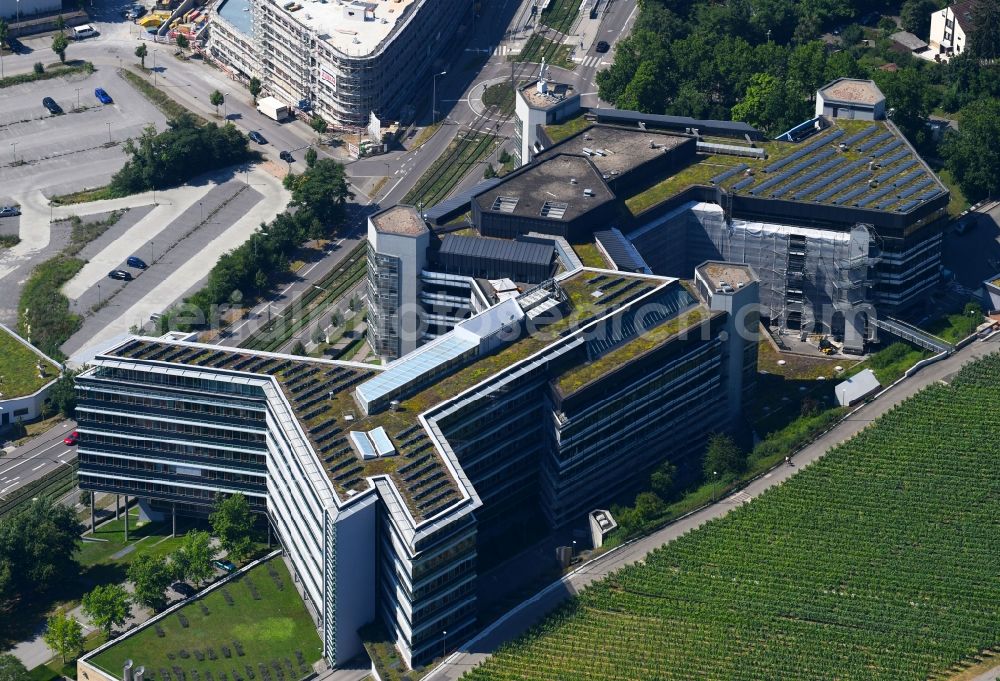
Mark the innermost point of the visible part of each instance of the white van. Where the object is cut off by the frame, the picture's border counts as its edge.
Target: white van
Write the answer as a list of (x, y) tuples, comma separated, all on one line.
[(85, 31)]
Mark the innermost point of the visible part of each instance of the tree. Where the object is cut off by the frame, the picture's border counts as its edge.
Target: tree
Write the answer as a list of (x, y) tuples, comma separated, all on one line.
[(59, 44), (232, 522), (489, 171), (193, 560), (255, 89), (12, 669), (972, 154), (648, 506), (662, 480), (723, 457), (907, 93), (851, 35), (150, 577), (60, 23), (915, 16), (216, 99), (311, 157), (318, 124), (107, 606), (37, 548), (323, 191), (64, 635), (763, 104), (299, 349), (182, 42), (85, 497), (4, 33), (984, 41), (141, 52), (62, 394)]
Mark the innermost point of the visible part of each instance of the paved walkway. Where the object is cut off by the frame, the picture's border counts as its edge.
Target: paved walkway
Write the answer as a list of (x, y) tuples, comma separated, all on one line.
[(523, 616)]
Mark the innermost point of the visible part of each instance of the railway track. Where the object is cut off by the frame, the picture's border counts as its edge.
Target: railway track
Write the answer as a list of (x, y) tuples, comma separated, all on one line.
[(473, 144)]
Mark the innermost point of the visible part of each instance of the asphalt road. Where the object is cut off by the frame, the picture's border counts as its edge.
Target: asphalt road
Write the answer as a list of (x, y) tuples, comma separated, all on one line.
[(31, 461), (975, 255), (519, 619)]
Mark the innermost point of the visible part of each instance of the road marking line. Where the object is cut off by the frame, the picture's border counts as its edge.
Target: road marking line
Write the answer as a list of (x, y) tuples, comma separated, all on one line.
[(41, 465)]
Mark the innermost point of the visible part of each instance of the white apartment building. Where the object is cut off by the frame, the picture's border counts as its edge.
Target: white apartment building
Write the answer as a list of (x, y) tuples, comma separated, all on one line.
[(949, 29), (342, 59)]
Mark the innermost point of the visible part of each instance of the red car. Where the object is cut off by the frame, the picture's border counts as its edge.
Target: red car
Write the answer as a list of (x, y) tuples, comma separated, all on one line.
[(72, 438)]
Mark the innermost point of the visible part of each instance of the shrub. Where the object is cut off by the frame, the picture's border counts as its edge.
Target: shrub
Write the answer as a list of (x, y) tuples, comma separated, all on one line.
[(43, 311), (159, 631), (249, 671), (239, 648), (184, 654), (171, 656), (39, 68), (183, 620), (229, 600), (200, 656), (226, 652), (211, 654), (164, 674), (204, 609)]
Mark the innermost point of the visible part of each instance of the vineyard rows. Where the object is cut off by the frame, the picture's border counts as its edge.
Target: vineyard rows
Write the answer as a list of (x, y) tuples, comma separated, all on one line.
[(877, 562)]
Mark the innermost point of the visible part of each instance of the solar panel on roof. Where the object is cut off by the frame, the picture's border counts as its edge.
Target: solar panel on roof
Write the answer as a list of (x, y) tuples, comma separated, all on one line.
[(895, 157), (792, 171), (908, 178), (743, 183), (850, 195), (857, 137), (886, 149), (722, 177), (907, 206), (841, 186), (930, 195), (875, 141), (826, 181), (901, 168), (826, 139), (811, 175), (876, 196)]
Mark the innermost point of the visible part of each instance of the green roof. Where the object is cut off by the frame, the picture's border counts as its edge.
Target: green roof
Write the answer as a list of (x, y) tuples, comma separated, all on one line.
[(19, 363)]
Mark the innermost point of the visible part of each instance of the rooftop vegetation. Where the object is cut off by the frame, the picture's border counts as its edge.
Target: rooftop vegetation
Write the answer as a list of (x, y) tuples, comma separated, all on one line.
[(19, 373), (253, 628), (568, 128), (579, 376)]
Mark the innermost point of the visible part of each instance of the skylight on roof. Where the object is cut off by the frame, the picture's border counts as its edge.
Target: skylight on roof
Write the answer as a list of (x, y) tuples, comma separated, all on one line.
[(554, 209), (505, 204)]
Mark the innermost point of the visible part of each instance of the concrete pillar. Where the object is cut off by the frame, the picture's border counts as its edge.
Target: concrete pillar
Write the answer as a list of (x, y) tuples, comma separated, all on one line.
[(268, 523), (118, 503), (173, 520), (93, 527), (126, 517)]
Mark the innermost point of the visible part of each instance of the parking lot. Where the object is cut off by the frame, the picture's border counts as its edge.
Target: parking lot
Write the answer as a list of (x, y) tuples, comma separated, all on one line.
[(80, 148)]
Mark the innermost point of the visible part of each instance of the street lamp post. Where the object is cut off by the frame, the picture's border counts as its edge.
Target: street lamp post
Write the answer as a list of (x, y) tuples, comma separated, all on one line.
[(151, 257), (434, 110), (109, 133), (715, 478), (444, 643), (225, 106), (98, 294), (200, 205), (78, 97), (14, 144)]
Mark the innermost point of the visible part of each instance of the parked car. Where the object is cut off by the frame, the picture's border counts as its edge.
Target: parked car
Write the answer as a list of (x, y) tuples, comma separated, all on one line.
[(256, 137), (224, 565), (72, 438), (134, 12), (123, 275), (51, 105), (286, 156), (136, 262), (602, 46), (102, 96), (9, 211), (81, 32), (183, 588)]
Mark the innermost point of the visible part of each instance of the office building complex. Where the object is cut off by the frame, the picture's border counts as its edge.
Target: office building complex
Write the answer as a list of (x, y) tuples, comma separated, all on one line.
[(342, 60), (386, 484), (839, 217)]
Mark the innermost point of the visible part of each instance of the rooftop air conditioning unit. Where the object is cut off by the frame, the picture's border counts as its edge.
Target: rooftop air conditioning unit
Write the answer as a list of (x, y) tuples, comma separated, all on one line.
[(588, 192)]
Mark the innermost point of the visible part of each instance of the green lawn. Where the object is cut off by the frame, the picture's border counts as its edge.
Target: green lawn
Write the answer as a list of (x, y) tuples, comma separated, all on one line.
[(560, 14), (19, 368), (567, 128), (226, 634), (538, 48), (148, 538)]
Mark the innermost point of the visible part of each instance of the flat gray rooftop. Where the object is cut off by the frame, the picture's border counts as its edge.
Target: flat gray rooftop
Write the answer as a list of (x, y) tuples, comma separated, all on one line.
[(553, 189), (616, 150), (399, 219)]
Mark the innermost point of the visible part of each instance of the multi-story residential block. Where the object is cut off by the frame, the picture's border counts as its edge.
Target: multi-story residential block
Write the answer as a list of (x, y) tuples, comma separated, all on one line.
[(950, 28), (342, 60), (386, 485)]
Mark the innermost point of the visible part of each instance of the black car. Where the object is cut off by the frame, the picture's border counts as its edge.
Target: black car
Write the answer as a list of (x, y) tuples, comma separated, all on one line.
[(51, 105), (256, 137), (123, 275), (602, 46), (136, 262), (286, 156), (9, 211)]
